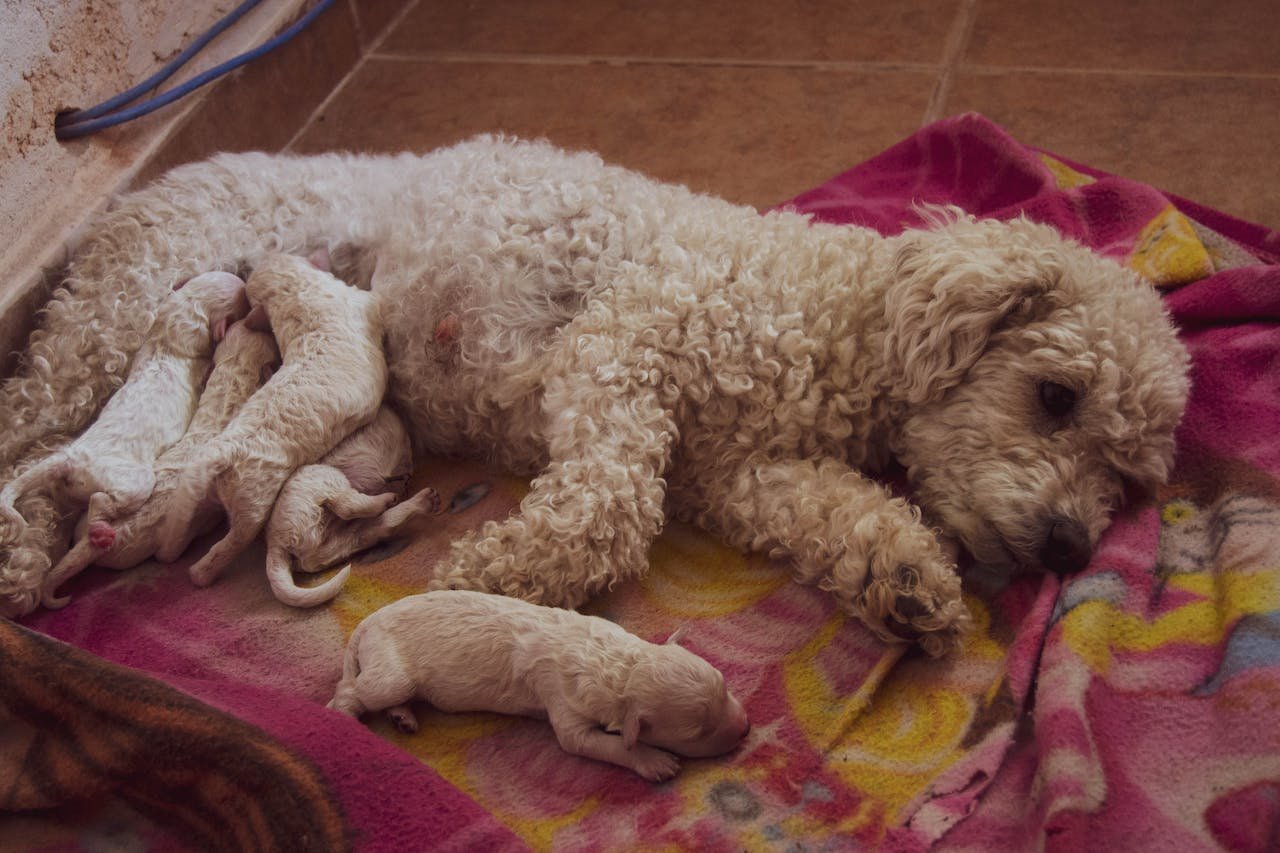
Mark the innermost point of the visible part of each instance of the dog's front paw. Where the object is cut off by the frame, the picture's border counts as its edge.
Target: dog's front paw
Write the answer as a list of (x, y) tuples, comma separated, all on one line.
[(933, 616), (906, 590), (655, 765)]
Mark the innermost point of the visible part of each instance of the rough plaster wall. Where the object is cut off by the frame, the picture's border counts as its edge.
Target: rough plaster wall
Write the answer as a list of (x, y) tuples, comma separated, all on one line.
[(63, 54)]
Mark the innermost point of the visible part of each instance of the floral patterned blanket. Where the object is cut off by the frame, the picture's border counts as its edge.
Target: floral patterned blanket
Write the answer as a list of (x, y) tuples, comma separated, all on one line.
[(1133, 706)]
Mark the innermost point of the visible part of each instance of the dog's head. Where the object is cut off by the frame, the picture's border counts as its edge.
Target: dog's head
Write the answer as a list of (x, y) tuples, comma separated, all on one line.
[(199, 311), (1038, 383), (677, 701)]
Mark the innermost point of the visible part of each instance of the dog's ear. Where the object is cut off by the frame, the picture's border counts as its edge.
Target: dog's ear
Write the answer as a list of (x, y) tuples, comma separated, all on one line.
[(952, 290), (257, 319), (676, 636), (632, 725), (320, 259)]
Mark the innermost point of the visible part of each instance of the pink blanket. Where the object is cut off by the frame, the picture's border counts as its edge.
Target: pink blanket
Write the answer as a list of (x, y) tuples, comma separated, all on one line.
[(1131, 706)]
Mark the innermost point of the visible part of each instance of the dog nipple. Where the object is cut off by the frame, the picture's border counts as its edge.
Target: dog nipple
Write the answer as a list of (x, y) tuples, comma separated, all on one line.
[(448, 329)]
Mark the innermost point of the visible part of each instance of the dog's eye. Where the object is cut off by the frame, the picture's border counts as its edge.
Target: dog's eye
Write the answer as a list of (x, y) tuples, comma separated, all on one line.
[(1058, 400)]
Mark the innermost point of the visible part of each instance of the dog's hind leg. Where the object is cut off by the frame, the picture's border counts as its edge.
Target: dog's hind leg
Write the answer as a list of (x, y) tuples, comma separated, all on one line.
[(362, 533), (248, 499), (590, 517), (848, 535)]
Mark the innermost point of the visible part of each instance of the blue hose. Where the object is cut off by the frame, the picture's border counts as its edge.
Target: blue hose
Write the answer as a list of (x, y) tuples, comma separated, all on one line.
[(71, 125)]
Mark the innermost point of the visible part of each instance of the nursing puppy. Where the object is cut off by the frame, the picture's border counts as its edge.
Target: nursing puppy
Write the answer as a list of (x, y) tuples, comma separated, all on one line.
[(331, 381), (608, 694), (328, 511), (109, 467), (241, 363)]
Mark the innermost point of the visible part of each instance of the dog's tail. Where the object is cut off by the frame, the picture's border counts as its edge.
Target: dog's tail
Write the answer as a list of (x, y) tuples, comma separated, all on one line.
[(75, 561), (280, 575), (190, 491), (345, 698)]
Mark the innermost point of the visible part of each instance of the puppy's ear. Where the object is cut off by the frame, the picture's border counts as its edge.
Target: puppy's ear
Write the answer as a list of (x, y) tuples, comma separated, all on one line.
[(676, 636), (320, 260), (257, 319), (953, 288), (632, 724)]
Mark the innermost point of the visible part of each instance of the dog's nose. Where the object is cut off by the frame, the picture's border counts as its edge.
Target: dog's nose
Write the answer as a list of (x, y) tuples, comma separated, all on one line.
[(1066, 547)]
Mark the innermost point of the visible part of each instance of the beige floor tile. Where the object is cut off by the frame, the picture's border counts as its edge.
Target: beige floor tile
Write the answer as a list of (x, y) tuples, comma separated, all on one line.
[(753, 135), (831, 30), (1170, 35), (1209, 139), (373, 16)]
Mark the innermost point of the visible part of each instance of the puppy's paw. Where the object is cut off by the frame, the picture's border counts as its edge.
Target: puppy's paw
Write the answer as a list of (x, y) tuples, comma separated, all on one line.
[(202, 574), (403, 718), (426, 501), (101, 535), (655, 765)]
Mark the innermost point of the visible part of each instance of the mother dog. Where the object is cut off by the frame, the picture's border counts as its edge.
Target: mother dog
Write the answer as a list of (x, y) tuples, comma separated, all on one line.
[(646, 350)]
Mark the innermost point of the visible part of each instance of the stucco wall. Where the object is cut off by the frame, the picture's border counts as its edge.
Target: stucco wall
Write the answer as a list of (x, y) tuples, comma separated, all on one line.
[(64, 54)]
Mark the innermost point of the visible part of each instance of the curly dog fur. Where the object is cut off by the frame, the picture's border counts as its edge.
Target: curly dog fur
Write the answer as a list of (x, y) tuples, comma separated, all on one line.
[(644, 350)]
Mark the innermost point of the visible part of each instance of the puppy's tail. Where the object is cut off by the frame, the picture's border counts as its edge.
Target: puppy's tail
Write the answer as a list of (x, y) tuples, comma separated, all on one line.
[(345, 698), (189, 492), (280, 575), (80, 557)]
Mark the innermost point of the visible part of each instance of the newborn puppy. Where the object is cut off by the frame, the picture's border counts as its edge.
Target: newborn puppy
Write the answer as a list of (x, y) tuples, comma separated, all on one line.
[(330, 383), (109, 467), (608, 694), (329, 511), (241, 363)]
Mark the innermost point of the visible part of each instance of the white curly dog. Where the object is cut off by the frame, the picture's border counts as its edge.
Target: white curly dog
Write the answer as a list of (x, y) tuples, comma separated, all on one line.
[(645, 350)]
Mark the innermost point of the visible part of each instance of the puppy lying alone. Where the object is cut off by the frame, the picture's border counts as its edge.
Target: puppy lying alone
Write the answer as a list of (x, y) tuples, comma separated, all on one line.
[(328, 511), (608, 694), (241, 363), (109, 467), (331, 381)]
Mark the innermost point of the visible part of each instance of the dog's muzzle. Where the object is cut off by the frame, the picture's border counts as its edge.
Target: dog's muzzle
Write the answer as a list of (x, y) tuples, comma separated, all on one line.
[(1066, 547)]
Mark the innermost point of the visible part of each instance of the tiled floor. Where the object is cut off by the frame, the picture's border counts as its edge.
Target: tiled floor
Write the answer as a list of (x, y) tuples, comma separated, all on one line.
[(756, 100)]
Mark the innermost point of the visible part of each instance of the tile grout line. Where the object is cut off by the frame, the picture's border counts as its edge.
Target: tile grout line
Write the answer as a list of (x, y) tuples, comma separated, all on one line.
[(621, 60), (359, 64), (355, 17), (952, 54), (992, 70), (868, 66)]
